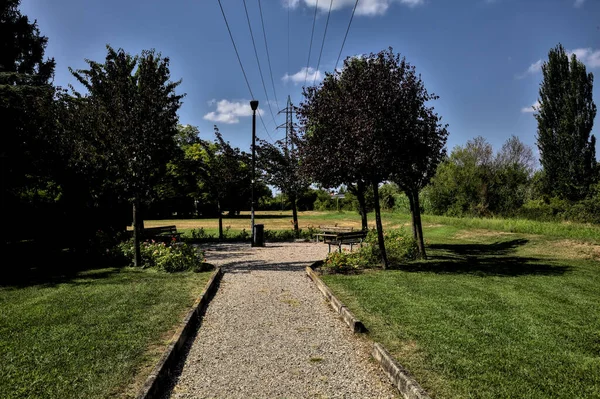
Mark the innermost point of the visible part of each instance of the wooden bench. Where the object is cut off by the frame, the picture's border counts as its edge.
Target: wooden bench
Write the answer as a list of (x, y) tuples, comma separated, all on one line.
[(331, 231), (348, 238), (161, 233)]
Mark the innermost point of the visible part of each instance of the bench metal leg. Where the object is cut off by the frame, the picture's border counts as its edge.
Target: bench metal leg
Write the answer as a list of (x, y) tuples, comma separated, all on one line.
[(340, 247)]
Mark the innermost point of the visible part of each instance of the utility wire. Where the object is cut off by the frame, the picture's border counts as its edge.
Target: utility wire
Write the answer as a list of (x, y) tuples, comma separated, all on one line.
[(262, 21), (323, 42), (265, 126), (258, 62), (288, 64), (345, 36), (311, 40), (235, 48)]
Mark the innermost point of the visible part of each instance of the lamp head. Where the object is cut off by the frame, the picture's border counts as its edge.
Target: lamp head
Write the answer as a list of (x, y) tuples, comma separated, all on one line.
[(254, 104)]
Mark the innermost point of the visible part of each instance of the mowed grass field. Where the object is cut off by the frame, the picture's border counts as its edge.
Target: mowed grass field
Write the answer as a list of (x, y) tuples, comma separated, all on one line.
[(277, 220), (490, 314), (282, 220), (92, 334)]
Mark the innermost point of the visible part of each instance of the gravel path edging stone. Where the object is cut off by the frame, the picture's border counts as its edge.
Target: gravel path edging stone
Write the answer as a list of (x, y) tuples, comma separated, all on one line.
[(355, 325), (398, 375), (160, 375), (401, 378)]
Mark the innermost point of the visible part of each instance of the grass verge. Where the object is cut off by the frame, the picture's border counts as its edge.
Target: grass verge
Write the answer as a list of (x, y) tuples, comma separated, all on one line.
[(490, 315), (96, 334)]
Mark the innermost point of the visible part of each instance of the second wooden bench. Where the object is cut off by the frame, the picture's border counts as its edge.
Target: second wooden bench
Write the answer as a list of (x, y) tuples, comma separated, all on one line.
[(350, 238)]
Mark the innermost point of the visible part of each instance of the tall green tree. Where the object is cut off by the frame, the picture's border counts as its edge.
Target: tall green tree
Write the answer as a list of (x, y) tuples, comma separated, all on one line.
[(223, 174), (281, 168), (565, 119), (28, 136), (131, 134)]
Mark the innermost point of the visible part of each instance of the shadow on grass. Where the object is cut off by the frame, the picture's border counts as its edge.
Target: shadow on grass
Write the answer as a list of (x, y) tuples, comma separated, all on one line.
[(36, 264), (496, 259)]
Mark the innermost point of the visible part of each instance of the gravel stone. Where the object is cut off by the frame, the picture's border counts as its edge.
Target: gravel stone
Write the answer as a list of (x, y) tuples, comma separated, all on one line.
[(268, 333)]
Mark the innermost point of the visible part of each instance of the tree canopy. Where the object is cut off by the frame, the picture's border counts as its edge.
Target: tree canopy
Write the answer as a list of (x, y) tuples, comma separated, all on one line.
[(565, 119), (369, 122), (131, 127)]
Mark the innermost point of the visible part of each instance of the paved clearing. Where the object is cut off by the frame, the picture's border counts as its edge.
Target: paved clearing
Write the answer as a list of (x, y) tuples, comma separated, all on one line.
[(269, 333)]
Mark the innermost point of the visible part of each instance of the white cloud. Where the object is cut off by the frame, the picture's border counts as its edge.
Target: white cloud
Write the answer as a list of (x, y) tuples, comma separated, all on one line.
[(591, 58), (579, 3), (309, 75), (535, 67), (532, 108), (365, 7), (229, 111)]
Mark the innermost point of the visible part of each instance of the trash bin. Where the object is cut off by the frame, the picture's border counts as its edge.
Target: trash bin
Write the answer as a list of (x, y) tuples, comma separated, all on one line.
[(259, 235)]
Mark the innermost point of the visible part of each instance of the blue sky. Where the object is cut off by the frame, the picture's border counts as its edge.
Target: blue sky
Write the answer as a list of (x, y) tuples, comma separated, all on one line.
[(481, 57)]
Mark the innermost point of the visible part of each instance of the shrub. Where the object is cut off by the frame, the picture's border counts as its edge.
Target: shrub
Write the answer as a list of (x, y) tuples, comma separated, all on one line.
[(201, 234), (400, 247), (309, 232), (280, 235), (172, 257), (342, 262)]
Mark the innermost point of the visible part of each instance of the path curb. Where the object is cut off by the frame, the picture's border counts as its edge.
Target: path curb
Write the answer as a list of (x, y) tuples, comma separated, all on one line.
[(355, 325), (160, 375), (398, 375)]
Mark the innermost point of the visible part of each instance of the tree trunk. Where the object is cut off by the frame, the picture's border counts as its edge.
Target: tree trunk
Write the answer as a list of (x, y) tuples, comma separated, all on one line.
[(413, 222), (295, 215), (137, 258), (418, 224), (362, 204), (384, 258), (220, 220), (359, 191)]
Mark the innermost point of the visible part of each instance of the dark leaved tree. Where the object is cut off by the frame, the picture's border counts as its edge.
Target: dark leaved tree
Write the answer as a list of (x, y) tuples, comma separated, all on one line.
[(362, 118), (425, 143)]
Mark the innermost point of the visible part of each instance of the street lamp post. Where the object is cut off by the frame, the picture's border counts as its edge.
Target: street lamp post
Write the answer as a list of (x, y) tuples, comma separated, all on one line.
[(254, 106)]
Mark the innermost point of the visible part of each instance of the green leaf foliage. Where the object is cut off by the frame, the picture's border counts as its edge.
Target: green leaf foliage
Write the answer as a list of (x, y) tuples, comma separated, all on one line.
[(565, 119)]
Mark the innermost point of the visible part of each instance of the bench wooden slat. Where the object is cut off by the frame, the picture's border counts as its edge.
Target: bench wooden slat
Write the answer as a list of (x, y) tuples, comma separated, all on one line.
[(161, 232), (349, 238)]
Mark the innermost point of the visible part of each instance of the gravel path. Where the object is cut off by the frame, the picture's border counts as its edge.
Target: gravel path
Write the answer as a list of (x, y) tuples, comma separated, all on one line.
[(268, 333)]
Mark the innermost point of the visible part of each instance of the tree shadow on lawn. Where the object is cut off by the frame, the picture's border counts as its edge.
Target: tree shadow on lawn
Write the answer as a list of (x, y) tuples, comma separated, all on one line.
[(496, 259), (31, 265)]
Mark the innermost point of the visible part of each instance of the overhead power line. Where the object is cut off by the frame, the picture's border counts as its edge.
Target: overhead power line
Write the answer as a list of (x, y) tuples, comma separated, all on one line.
[(323, 42), (289, 5), (241, 65), (346, 35), (235, 48), (311, 40), (258, 62), (262, 21)]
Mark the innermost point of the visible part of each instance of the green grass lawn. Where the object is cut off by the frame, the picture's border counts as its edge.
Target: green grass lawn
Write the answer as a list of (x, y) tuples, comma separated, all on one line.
[(491, 314), (276, 220), (94, 334)]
